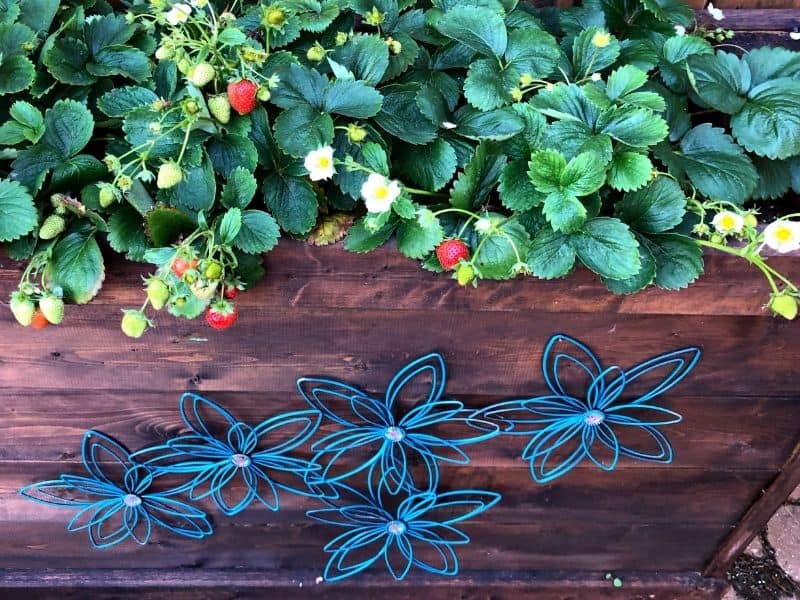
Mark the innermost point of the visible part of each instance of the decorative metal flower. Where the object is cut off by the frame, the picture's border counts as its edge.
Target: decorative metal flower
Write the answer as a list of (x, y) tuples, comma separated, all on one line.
[(235, 463), (432, 431), (567, 428), (418, 532), (116, 501)]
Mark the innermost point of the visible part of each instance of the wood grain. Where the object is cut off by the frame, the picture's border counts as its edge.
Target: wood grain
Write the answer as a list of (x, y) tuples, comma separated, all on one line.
[(206, 584), (724, 433)]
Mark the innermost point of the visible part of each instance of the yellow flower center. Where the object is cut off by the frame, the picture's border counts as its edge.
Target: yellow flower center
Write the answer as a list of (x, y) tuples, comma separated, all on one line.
[(382, 192), (601, 39), (728, 222), (323, 162), (783, 234)]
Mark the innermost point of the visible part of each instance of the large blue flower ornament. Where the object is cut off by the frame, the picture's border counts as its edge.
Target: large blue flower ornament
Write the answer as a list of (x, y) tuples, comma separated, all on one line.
[(233, 463), (418, 532), (390, 437), (116, 500), (567, 427)]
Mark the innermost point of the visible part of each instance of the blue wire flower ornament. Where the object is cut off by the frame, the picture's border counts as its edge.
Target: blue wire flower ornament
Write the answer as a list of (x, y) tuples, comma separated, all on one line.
[(567, 428), (236, 464), (116, 501), (432, 431), (419, 532)]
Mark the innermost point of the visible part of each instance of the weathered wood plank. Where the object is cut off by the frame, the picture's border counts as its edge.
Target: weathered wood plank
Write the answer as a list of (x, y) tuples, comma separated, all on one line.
[(486, 354), (300, 276), (640, 496), (203, 584), (238, 543), (721, 433), (757, 516)]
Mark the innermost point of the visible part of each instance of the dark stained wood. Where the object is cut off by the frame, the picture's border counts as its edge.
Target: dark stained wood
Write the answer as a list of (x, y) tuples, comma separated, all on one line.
[(301, 276), (205, 584), (757, 516), (491, 353), (724, 433)]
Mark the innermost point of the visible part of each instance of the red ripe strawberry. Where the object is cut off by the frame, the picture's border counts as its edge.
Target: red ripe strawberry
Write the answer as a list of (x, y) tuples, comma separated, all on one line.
[(39, 321), (451, 252), (242, 95), (231, 291), (221, 315), (181, 265)]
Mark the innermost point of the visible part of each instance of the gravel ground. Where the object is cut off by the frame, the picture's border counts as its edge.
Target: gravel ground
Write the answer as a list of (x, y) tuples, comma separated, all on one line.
[(769, 569)]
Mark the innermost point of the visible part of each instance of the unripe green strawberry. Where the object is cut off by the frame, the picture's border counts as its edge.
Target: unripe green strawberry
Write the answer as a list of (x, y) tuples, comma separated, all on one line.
[(220, 108), (784, 305), (201, 74), (134, 323), (263, 93), (22, 307), (465, 274), (52, 308), (184, 65), (316, 53), (212, 270), (106, 196), (169, 175), (165, 52), (52, 227), (157, 292), (203, 289)]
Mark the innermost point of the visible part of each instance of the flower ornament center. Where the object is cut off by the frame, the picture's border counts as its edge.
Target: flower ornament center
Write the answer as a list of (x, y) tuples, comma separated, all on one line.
[(240, 460), (594, 417), (131, 500), (396, 527), (394, 434)]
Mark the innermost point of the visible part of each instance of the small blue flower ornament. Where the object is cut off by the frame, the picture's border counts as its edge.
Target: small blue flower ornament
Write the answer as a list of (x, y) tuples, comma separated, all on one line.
[(433, 430), (236, 464), (418, 532), (566, 428), (117, 498)]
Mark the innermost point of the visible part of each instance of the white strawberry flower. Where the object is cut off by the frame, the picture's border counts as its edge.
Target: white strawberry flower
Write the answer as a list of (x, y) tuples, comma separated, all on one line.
[(198, 3), (680, 30), (715, 12), (319, 164), (795, 35), (449, 125), (179, 13), (596, 77), (783, 236), (483, 225), (379, 193), (727, 222)]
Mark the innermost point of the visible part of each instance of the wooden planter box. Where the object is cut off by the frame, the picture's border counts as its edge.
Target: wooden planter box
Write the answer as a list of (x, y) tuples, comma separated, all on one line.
[(666, 530)]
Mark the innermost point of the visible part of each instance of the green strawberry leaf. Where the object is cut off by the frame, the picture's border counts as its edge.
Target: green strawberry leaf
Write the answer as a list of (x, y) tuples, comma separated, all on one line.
[(499, 124), (19, 214), (655, 208), (431, 166), (76, 265), (532, 52), (401, 117), (645, 276), (629, 171), (479, 28), (165, 225), (679, 259), (635, 127), (487, 87), (551, 254), (16, 74), (259, 232), (479, 177), (769, 122), (126, 234), (721, 80), (607, 247), (353, 99), (564, 211), (195, 192), (497, 256), (587, 57), (229, 151), (239, 189), (360, 239), (672, 11), (366, 56), (418, 237), (292, 202), (517, 192), (624, 80), (717, 166), (120, 101)]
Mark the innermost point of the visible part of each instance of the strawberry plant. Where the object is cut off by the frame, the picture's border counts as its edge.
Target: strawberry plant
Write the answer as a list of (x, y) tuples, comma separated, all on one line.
[(487, 139)]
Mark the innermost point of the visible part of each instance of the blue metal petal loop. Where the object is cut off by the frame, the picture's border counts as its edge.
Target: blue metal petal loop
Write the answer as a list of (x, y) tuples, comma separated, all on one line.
[(565, 430), (238, 464), (418, 531), (377, 439), (114, 507)]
